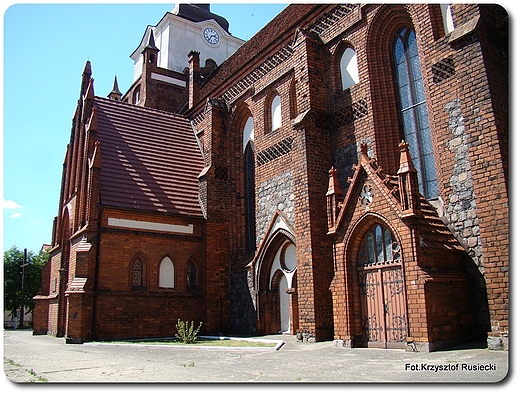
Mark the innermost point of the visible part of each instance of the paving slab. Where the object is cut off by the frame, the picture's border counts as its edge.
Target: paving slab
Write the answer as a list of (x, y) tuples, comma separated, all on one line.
[(45, 358)]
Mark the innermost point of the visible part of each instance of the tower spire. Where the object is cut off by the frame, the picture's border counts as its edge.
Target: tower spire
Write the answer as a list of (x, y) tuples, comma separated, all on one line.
[(151, 41), (150, 51), (115, 94)]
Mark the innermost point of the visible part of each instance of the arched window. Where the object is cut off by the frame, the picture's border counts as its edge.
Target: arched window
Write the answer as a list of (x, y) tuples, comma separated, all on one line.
[(379, 246), (191, 276), (248, 133), (447, 19), (249, 183), (276, 113), (137, 95), (137, 274), (293, 107), (414, 114), (349, 68), (166, 274)]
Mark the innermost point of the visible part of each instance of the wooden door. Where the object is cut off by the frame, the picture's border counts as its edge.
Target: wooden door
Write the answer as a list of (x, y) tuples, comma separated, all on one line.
[(383, 307)]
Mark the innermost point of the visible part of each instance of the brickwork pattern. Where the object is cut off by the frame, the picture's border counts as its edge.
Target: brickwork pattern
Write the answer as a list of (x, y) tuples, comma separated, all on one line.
[(465, 79)]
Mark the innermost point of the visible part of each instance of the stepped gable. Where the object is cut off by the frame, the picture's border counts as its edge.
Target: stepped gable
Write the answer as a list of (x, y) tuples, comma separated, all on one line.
[(150, 159)]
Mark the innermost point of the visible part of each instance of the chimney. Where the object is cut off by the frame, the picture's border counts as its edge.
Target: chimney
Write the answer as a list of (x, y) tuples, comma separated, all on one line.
[(194, 78)]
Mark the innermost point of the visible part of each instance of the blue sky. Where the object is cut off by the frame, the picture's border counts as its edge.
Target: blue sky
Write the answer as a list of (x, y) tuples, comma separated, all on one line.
[(45, 49)]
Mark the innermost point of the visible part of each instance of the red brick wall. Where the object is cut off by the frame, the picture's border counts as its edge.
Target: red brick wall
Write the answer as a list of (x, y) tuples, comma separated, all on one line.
[(465, 78), (122, 311)]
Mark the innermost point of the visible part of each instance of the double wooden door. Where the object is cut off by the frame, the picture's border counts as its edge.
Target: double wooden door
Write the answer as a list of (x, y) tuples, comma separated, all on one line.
[(383, 307)]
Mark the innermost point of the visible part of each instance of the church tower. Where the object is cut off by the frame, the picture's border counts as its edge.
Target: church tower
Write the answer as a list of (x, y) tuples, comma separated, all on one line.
[(161, 61), (188, 27)]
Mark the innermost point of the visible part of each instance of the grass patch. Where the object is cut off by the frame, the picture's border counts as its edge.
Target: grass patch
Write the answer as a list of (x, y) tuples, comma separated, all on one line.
[(200, 341)]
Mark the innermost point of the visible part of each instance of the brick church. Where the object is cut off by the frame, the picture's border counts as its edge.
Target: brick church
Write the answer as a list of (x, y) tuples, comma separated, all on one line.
[(342, 175)]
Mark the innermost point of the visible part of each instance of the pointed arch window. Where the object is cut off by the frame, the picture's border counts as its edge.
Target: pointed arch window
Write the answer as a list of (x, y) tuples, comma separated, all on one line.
[(447, 19), (349, 68), (191, 276), (137, 274), (414, 114), (248, 136), (249, 181), (137, 95), (276, 113), (166, 274), (379, 246)]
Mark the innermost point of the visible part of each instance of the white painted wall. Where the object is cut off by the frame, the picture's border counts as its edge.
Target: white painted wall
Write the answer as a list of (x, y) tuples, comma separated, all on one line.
[(176, 37)]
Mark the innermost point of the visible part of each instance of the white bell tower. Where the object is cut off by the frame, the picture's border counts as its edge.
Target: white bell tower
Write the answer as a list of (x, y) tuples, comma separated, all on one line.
[(189, 27)]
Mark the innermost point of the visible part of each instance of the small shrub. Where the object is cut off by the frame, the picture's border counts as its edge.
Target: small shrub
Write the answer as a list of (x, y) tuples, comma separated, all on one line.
[(186, 331)]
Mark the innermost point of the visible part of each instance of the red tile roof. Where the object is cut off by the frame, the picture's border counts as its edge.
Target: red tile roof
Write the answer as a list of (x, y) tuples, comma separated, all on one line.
[(150, 159)]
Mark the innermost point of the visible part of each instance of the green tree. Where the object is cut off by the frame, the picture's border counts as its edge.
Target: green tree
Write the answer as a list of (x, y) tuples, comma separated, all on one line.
[(13, 259)]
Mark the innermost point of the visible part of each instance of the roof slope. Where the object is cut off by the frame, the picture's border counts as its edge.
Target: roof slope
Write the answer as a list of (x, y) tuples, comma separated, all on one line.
[(150, 159), (281, 27)]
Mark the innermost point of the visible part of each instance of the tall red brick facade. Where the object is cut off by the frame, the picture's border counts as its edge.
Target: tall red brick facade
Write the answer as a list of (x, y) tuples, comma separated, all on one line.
[(344, 176)]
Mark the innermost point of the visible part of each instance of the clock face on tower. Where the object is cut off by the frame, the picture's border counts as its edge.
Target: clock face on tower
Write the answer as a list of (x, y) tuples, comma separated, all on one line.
[(211, 36)]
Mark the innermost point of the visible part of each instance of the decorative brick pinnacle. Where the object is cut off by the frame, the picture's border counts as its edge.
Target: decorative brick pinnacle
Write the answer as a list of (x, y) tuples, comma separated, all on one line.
[(405, 161), (334, 183), (364, 148)]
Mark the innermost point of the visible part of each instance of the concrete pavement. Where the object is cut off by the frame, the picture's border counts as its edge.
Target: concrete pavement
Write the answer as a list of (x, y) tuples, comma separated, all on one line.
[(45, 358)]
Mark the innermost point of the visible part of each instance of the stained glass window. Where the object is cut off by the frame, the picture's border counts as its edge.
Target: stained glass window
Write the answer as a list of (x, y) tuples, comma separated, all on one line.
[(379, 246), (414, 113), (191, 276), (137, 273)]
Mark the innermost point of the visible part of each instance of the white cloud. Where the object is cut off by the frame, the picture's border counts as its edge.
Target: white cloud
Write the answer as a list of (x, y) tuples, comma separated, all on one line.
[(10, 204), (15, 215)]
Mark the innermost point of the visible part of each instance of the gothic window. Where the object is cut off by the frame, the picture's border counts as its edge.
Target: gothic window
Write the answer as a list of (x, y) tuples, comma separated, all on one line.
[(248, 133), (276, 113), (248, 136), (249, 180), (292, 100), (166, 274), (447, 20), (137, 95), (137, 274), (349, 68), (191, 276), (414, 113), (379, 247)]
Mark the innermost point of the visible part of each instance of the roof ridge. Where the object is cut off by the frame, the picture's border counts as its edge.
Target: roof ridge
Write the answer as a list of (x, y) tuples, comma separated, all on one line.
[(140, 108)]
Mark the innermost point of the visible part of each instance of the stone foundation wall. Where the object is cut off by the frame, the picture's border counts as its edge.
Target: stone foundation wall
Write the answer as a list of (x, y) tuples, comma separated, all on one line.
[(276, 193), (242, 319), (461, 208)]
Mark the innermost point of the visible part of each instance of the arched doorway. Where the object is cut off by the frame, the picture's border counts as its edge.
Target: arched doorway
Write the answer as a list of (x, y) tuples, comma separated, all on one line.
[(381, 290), (283, 272), (285, 307), (277, 301)]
